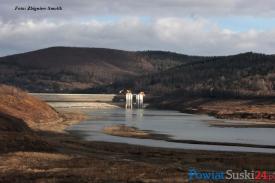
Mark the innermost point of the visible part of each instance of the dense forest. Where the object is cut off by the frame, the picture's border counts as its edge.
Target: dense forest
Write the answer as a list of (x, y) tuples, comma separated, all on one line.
[(247, 74), (243, 75)]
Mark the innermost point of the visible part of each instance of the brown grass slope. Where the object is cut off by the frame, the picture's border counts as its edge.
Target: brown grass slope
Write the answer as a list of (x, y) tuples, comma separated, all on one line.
[(19, 112), (19, 104)]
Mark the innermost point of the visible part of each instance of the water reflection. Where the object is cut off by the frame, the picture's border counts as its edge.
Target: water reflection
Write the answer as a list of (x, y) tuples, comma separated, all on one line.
[(134, 117)]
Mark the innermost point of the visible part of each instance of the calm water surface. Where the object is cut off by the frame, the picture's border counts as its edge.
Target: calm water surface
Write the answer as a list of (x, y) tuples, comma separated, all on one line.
[(178, 125)]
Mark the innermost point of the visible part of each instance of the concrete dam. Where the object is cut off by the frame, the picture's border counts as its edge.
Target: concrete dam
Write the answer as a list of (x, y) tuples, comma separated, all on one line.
[(84, 100)]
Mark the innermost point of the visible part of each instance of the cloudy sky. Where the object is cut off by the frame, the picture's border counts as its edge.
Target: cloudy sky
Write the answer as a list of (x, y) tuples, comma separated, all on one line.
[(196, 27)]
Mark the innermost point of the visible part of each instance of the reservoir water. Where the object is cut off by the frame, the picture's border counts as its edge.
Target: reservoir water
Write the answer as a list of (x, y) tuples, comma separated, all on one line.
[(179, 126)]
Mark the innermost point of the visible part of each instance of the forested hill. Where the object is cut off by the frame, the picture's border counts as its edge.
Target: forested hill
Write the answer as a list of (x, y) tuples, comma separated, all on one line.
[(66, 69), (247, 74)]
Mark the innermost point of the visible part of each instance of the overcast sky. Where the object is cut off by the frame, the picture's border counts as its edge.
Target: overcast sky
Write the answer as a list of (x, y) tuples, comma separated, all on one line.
[(195, 27)]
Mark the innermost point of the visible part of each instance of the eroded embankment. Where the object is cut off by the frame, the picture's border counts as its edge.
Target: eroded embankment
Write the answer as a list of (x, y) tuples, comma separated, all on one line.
[(22, 117)]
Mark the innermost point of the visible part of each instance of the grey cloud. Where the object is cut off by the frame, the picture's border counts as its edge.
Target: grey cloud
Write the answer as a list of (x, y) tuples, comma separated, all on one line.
[(197, 37), (170, 26)]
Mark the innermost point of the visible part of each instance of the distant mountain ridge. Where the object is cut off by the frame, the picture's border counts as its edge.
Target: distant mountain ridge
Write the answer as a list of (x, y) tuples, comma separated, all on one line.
[(66, 69)]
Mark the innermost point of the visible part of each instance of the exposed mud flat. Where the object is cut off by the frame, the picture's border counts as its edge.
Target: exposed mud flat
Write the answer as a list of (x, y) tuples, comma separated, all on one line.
[(127, 131), (75, 160)]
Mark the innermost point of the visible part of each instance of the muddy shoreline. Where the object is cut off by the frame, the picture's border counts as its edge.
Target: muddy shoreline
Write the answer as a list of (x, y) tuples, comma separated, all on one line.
[(72, 159)]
